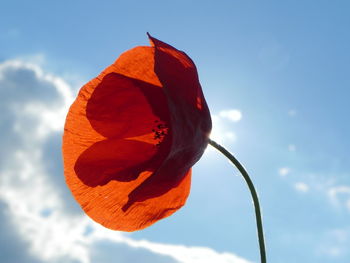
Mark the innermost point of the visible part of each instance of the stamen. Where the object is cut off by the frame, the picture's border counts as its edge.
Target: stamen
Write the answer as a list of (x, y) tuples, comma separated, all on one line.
[(160, 131)]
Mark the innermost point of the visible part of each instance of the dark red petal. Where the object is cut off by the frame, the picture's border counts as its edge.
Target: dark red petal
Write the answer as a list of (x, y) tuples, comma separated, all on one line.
[(178, 74), (189, 118), (189, 113), (122, 107), (103, 204), (115, 159), (168, 176)]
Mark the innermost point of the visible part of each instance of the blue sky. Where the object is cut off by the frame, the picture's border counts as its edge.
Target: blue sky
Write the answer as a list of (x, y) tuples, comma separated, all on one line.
[(283, 65)]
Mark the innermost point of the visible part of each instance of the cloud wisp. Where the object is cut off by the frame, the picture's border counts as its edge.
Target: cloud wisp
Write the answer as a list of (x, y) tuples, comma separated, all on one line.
[(220, 132), (301, 187), (232, 115), (340, 195)]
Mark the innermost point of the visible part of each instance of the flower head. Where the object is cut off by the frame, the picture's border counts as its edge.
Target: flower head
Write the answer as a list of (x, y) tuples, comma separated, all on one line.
[(132, 136)]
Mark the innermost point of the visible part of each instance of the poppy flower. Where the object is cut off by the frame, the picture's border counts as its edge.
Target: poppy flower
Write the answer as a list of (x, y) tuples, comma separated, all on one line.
[(132, 135)]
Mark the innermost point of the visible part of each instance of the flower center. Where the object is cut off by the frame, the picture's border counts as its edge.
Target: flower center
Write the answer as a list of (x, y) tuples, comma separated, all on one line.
[(159, 131)]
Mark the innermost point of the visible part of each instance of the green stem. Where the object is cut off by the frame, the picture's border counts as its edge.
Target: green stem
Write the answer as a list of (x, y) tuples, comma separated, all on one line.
[(253, 193)]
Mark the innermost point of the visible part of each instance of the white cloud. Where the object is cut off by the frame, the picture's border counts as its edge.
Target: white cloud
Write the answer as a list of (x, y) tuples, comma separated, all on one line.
[(283, 171), (333, 192), (340, 196), (181, 253), (33, 106), (221, 133), (186, 254), (28, 97), (232, 115), (301, 187)]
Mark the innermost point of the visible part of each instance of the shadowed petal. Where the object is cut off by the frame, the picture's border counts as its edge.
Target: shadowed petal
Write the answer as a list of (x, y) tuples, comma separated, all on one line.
[(104, 203), (115, 159), (178, 75), (122, 107)]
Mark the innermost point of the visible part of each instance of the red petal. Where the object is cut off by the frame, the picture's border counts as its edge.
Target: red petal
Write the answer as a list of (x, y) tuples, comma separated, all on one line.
[(178, 74), (103, 204), (93, 136), (112, 166), (189, 118), (115, 159), (122, 107)]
